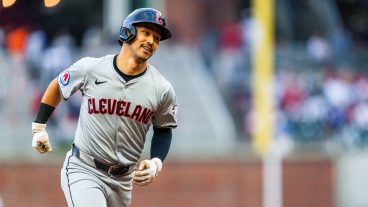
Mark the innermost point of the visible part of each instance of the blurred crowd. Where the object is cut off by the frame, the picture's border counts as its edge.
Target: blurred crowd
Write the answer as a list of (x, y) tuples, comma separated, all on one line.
[(320, 84), (320, 87), (30, 59)]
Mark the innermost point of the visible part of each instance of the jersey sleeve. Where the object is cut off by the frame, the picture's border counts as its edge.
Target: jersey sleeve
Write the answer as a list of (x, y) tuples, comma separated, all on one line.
[(166, 116), (71, 79)]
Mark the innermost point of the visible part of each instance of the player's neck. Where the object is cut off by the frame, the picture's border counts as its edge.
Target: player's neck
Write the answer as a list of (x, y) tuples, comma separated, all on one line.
[(129, 65)]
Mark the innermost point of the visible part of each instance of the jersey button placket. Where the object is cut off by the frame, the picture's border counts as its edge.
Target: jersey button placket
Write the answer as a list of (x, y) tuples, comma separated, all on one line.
[(124, 91)]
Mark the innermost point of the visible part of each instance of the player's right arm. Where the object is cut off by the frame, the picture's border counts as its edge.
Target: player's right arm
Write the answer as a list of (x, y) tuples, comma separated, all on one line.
[(49, 102), (52, 95), (61, 87)]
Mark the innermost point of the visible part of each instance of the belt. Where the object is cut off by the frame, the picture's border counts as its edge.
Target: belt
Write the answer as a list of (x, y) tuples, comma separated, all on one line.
[(113, 170)]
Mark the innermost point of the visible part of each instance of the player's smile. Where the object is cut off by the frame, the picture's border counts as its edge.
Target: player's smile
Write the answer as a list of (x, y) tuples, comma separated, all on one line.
[(147, 48)]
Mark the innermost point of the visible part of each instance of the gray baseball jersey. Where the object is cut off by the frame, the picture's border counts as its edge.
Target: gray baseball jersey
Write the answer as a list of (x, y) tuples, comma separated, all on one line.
[(115, 115)]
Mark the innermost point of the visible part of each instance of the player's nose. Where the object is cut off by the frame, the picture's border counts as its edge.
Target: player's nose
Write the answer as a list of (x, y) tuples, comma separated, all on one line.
[(150, 39)]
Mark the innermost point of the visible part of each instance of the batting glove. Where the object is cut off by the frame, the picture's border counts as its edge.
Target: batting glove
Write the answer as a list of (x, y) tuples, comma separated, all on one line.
[(147, 171), (40, 139)]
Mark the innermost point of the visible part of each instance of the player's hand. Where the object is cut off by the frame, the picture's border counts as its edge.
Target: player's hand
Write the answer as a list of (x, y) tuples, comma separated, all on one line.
[(40, 139), (147, 171)]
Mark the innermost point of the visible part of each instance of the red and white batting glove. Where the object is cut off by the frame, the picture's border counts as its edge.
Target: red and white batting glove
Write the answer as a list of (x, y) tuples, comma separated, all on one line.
[(147, 171), (40, 139)]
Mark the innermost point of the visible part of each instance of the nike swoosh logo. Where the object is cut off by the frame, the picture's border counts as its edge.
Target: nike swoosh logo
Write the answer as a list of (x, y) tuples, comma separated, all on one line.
[(99, 82)]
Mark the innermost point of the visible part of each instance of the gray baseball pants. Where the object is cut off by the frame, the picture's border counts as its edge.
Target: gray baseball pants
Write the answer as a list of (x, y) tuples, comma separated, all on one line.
[(85, 185)]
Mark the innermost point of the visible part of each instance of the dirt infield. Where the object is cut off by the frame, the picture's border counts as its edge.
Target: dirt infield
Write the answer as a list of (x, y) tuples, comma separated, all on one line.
[(305, 184)]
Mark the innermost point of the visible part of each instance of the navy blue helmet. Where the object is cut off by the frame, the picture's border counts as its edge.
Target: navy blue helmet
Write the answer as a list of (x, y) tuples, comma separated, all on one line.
[(142, 15)]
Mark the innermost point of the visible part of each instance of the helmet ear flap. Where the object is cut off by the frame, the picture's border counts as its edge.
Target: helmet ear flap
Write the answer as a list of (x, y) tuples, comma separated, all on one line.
[(126, 34)]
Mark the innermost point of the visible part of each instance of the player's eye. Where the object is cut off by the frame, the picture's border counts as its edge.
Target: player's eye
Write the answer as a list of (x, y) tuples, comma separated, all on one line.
[(156, 38), (145, 32)]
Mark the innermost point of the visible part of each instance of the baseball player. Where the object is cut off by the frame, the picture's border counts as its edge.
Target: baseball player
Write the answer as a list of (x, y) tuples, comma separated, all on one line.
[(123, 95)]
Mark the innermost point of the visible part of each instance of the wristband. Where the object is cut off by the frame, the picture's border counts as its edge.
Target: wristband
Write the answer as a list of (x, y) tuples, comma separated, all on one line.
[(44, 113)]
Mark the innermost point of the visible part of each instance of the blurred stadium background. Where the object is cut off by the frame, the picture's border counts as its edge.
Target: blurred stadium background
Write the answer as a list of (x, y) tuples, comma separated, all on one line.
[(318, 154)]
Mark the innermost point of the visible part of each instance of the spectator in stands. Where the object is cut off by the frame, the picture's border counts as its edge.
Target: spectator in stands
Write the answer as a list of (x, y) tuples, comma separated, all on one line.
[(229, 57), (35, 46), (341, 44), (52, 63), (16, 41), (2, 39), (318, 48)]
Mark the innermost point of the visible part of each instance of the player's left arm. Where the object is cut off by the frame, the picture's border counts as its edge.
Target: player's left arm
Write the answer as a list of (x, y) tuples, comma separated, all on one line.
[(160, 146), (163, 121)]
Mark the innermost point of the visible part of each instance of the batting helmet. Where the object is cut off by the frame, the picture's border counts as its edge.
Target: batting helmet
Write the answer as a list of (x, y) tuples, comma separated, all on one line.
[(143, 15)]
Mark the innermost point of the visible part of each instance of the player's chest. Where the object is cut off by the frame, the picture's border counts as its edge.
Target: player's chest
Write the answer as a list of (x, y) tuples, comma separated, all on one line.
[(114, 94)]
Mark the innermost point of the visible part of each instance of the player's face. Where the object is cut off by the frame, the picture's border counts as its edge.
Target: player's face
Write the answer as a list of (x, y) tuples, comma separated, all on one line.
[(146, 41)]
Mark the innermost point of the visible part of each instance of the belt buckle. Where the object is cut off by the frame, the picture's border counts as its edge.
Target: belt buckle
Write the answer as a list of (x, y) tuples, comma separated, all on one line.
[(117, 170), (109, 171)]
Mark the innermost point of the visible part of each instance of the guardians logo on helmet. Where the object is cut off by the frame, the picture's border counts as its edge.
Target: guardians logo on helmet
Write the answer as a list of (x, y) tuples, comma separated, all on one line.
[(160, 19)]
